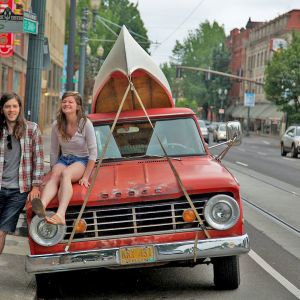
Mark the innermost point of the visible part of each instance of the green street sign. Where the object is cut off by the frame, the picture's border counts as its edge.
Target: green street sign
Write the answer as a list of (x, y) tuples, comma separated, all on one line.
[(30, 26)]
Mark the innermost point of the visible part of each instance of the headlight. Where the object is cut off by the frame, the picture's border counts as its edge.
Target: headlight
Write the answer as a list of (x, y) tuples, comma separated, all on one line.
[(221, 212), (46, 234)]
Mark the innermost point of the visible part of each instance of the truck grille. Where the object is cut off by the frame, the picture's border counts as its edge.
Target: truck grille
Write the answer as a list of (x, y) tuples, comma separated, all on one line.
[(128, 220)]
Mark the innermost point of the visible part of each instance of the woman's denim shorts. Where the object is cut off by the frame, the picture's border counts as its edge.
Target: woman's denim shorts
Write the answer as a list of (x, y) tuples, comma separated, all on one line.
[(70, 159)]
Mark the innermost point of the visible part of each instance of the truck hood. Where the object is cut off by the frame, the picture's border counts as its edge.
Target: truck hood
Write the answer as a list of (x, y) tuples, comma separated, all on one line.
[(153, 179)]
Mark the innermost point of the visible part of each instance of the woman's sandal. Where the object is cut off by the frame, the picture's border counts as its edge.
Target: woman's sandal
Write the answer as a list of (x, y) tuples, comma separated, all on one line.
[(38, 207)]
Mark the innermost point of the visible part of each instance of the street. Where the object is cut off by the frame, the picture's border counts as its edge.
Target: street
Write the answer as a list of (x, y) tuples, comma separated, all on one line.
[(270, 270)]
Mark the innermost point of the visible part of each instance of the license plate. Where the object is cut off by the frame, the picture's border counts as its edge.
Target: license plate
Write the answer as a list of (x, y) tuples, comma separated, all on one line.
[(136, 255)]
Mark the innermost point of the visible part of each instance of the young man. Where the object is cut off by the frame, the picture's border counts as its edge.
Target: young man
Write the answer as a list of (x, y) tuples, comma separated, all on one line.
[(21, 162)]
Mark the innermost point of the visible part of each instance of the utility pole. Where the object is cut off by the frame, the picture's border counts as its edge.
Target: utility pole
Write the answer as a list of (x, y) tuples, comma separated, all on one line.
[(35, 64), (83, 43), (71, 46)]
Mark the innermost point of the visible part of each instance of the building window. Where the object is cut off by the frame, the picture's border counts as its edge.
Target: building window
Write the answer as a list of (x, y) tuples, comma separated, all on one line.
[(4, 78), (16, 82)]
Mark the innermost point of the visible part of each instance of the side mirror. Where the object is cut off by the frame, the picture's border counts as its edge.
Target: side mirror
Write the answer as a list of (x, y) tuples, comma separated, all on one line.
[(234, 130)]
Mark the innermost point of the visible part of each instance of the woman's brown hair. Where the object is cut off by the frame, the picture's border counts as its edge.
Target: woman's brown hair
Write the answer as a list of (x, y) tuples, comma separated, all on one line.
[(61, 117), (20, 127)]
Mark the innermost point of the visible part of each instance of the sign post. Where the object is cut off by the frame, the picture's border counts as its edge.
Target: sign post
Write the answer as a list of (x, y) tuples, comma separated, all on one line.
[(249, 101)]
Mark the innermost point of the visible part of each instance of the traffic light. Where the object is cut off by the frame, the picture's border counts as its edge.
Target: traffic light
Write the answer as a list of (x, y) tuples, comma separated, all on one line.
[(178, 72), (208, 75)]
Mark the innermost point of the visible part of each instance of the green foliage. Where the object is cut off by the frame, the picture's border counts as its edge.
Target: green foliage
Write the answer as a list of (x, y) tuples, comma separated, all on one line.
[(203, 48), (282, 83), (182, 102), (119, 12)]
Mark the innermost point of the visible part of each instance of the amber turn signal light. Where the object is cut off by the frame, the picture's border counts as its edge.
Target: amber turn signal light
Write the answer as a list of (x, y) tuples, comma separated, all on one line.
[(189, 215), (81, 226)]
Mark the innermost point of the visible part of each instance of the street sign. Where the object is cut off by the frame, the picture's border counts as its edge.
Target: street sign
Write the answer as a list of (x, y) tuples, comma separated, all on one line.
[(10, 22), (249, 99), (30, 26), (30, 23)]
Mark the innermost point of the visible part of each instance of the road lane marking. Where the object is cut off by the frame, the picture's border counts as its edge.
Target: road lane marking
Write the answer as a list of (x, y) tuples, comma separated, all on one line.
[(282, 280), (261, 153), (242, 164), (267, 143)]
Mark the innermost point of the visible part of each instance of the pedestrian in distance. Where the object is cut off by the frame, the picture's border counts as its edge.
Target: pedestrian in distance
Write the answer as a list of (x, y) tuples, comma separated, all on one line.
[(21, 162), (72, 157)]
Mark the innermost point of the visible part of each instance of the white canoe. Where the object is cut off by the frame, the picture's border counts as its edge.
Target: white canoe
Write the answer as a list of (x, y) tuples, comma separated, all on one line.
[(128, 60)]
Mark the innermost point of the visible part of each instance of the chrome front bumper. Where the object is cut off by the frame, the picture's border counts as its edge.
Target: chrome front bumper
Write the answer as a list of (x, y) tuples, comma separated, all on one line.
[(164, 253)]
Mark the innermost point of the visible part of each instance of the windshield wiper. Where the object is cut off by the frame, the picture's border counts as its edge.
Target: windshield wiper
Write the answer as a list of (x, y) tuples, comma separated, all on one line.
[(153, 156)]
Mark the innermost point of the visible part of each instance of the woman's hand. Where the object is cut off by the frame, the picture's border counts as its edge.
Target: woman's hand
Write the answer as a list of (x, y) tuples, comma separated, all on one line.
[(34, 193), (84, 181)]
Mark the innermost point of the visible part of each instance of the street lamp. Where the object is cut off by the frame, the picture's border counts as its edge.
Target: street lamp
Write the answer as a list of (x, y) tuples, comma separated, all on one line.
[(83, 45), (222, 95), (95, 4)]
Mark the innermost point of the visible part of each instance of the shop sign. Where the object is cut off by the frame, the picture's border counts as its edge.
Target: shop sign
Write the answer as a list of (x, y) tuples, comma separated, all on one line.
[(6, 38)]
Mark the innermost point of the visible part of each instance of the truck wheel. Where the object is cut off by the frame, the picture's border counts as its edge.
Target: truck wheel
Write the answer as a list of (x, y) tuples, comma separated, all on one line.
[(294, 152), (47, 286), (226, 272), (283, 153)]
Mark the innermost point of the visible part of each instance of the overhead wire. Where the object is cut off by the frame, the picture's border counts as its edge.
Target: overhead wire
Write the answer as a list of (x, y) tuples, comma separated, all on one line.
[(189, 15)]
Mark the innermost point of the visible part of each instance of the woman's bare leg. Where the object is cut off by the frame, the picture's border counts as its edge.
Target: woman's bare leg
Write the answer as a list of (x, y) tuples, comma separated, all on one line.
[(51, 188), (70, 174)]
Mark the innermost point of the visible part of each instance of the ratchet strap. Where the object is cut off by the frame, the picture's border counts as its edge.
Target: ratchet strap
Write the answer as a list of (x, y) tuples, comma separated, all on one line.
[(172, 167)]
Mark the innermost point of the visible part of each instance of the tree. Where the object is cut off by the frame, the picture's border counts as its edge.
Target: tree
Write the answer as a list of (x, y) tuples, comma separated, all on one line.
[(111, 16), (204, 48), (282, 79)]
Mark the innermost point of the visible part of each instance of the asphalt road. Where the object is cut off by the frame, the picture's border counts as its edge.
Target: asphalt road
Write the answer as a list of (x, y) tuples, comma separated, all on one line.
[(262, 154)]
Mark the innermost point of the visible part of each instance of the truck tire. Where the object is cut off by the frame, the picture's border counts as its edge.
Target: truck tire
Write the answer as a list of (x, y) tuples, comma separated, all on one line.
[(226, 272), (47, 286)]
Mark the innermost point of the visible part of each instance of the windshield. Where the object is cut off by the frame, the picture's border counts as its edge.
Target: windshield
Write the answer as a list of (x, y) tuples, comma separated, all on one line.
[(222, 127), (179, 137), (297, 131)]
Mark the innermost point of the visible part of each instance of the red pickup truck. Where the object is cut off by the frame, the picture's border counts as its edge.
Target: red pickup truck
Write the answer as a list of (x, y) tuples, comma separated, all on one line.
[(158, 196)]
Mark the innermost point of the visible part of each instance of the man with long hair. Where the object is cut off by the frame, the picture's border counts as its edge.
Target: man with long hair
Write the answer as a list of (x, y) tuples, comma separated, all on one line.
[(21, 162)]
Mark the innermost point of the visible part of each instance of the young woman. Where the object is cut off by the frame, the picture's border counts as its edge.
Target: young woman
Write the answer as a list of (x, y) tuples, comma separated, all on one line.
[(72, 158), (21, 162)]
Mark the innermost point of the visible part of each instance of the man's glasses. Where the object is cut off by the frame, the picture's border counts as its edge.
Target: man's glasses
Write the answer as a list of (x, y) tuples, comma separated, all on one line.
[(9, 144)]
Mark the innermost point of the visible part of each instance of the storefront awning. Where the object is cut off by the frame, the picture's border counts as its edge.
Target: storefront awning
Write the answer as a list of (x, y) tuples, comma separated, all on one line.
[(259, 111)]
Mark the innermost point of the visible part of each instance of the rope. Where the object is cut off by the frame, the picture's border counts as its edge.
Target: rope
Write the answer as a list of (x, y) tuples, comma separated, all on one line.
[(172, 167), (87, 195)]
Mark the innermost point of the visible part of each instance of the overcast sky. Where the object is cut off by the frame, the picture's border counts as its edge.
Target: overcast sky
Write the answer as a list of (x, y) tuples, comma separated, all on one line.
[(170, 20)]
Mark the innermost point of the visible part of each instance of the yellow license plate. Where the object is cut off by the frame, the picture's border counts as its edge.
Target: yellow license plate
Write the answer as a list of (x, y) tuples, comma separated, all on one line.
[(136, 255)]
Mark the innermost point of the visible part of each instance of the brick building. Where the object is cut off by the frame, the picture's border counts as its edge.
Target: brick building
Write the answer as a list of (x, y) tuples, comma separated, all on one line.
[(13, 69), (251, 48)]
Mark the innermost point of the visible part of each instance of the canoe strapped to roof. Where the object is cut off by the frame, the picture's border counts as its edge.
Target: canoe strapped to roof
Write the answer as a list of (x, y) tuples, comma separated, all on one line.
[(128, 60)]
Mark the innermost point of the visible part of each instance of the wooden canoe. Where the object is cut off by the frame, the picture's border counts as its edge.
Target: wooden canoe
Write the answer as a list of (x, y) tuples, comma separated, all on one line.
[(128, 60)]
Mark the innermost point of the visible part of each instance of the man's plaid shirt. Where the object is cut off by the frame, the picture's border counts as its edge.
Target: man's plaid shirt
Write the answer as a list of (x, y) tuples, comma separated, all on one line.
[(31, 169)]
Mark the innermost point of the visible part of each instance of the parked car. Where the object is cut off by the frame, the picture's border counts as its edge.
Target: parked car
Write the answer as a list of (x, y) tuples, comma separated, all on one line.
[(204, 130), (212, 126), (290, 141), (219, 134)]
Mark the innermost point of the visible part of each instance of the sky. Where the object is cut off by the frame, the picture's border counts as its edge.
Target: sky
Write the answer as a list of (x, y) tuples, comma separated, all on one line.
[(171, 20)]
